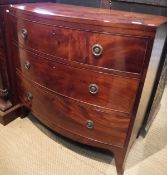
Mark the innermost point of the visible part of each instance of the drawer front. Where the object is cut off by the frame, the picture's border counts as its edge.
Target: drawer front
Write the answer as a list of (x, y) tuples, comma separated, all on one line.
[(105, 90), (57, 111), (56, 41), (124, 53)]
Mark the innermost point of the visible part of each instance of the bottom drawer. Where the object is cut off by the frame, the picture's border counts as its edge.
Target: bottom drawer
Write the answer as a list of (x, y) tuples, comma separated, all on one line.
[(80, 119)]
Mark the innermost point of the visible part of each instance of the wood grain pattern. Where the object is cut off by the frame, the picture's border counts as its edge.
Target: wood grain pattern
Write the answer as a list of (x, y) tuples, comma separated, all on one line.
[(5, 77), (123, 53), (119, 52), (54, 85), (115, 92), (109, 127), (88, 15)]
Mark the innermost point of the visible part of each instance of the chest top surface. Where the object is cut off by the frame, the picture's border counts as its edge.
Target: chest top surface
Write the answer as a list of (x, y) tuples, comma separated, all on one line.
[(95, 16)]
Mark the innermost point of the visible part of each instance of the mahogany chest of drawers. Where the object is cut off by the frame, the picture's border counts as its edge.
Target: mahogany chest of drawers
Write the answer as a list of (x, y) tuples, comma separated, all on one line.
[(81, 71)]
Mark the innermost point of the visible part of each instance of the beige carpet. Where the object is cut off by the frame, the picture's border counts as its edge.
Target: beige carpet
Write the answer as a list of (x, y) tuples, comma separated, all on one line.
[(28, 148)]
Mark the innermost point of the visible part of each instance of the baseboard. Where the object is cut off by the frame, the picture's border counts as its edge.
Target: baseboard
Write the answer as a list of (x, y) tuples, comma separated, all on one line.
[(10, 114)]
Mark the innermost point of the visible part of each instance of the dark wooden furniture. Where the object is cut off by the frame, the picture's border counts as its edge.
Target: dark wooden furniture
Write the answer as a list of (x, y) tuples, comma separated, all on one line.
[(7, 106), (86, 73)]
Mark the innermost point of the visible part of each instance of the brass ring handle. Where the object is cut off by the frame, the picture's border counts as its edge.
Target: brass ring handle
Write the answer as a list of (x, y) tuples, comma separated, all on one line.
[(97, 50), (93, 89), (89, 124), (29, 96), (24, 33), (27, 65)]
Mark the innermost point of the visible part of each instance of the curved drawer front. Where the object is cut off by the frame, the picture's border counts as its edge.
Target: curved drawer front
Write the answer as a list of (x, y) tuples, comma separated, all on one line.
[(105, 90), (43, 38), (125, 53), (57, 111)]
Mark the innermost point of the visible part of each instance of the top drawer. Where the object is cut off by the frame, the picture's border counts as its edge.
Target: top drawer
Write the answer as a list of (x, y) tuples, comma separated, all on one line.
[(124, 53)]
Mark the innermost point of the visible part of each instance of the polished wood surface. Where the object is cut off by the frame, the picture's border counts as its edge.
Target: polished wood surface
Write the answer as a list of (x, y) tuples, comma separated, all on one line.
[(109, 127), (6, 100), (95, 16), (115, 92), (119, 52), (53, 61)]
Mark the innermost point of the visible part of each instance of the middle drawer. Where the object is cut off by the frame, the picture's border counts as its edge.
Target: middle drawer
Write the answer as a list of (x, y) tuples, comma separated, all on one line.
[(97, 88)]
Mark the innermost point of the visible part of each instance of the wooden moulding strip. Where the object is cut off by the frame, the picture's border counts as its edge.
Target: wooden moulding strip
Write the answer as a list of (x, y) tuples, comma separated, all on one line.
[(10, 115)]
